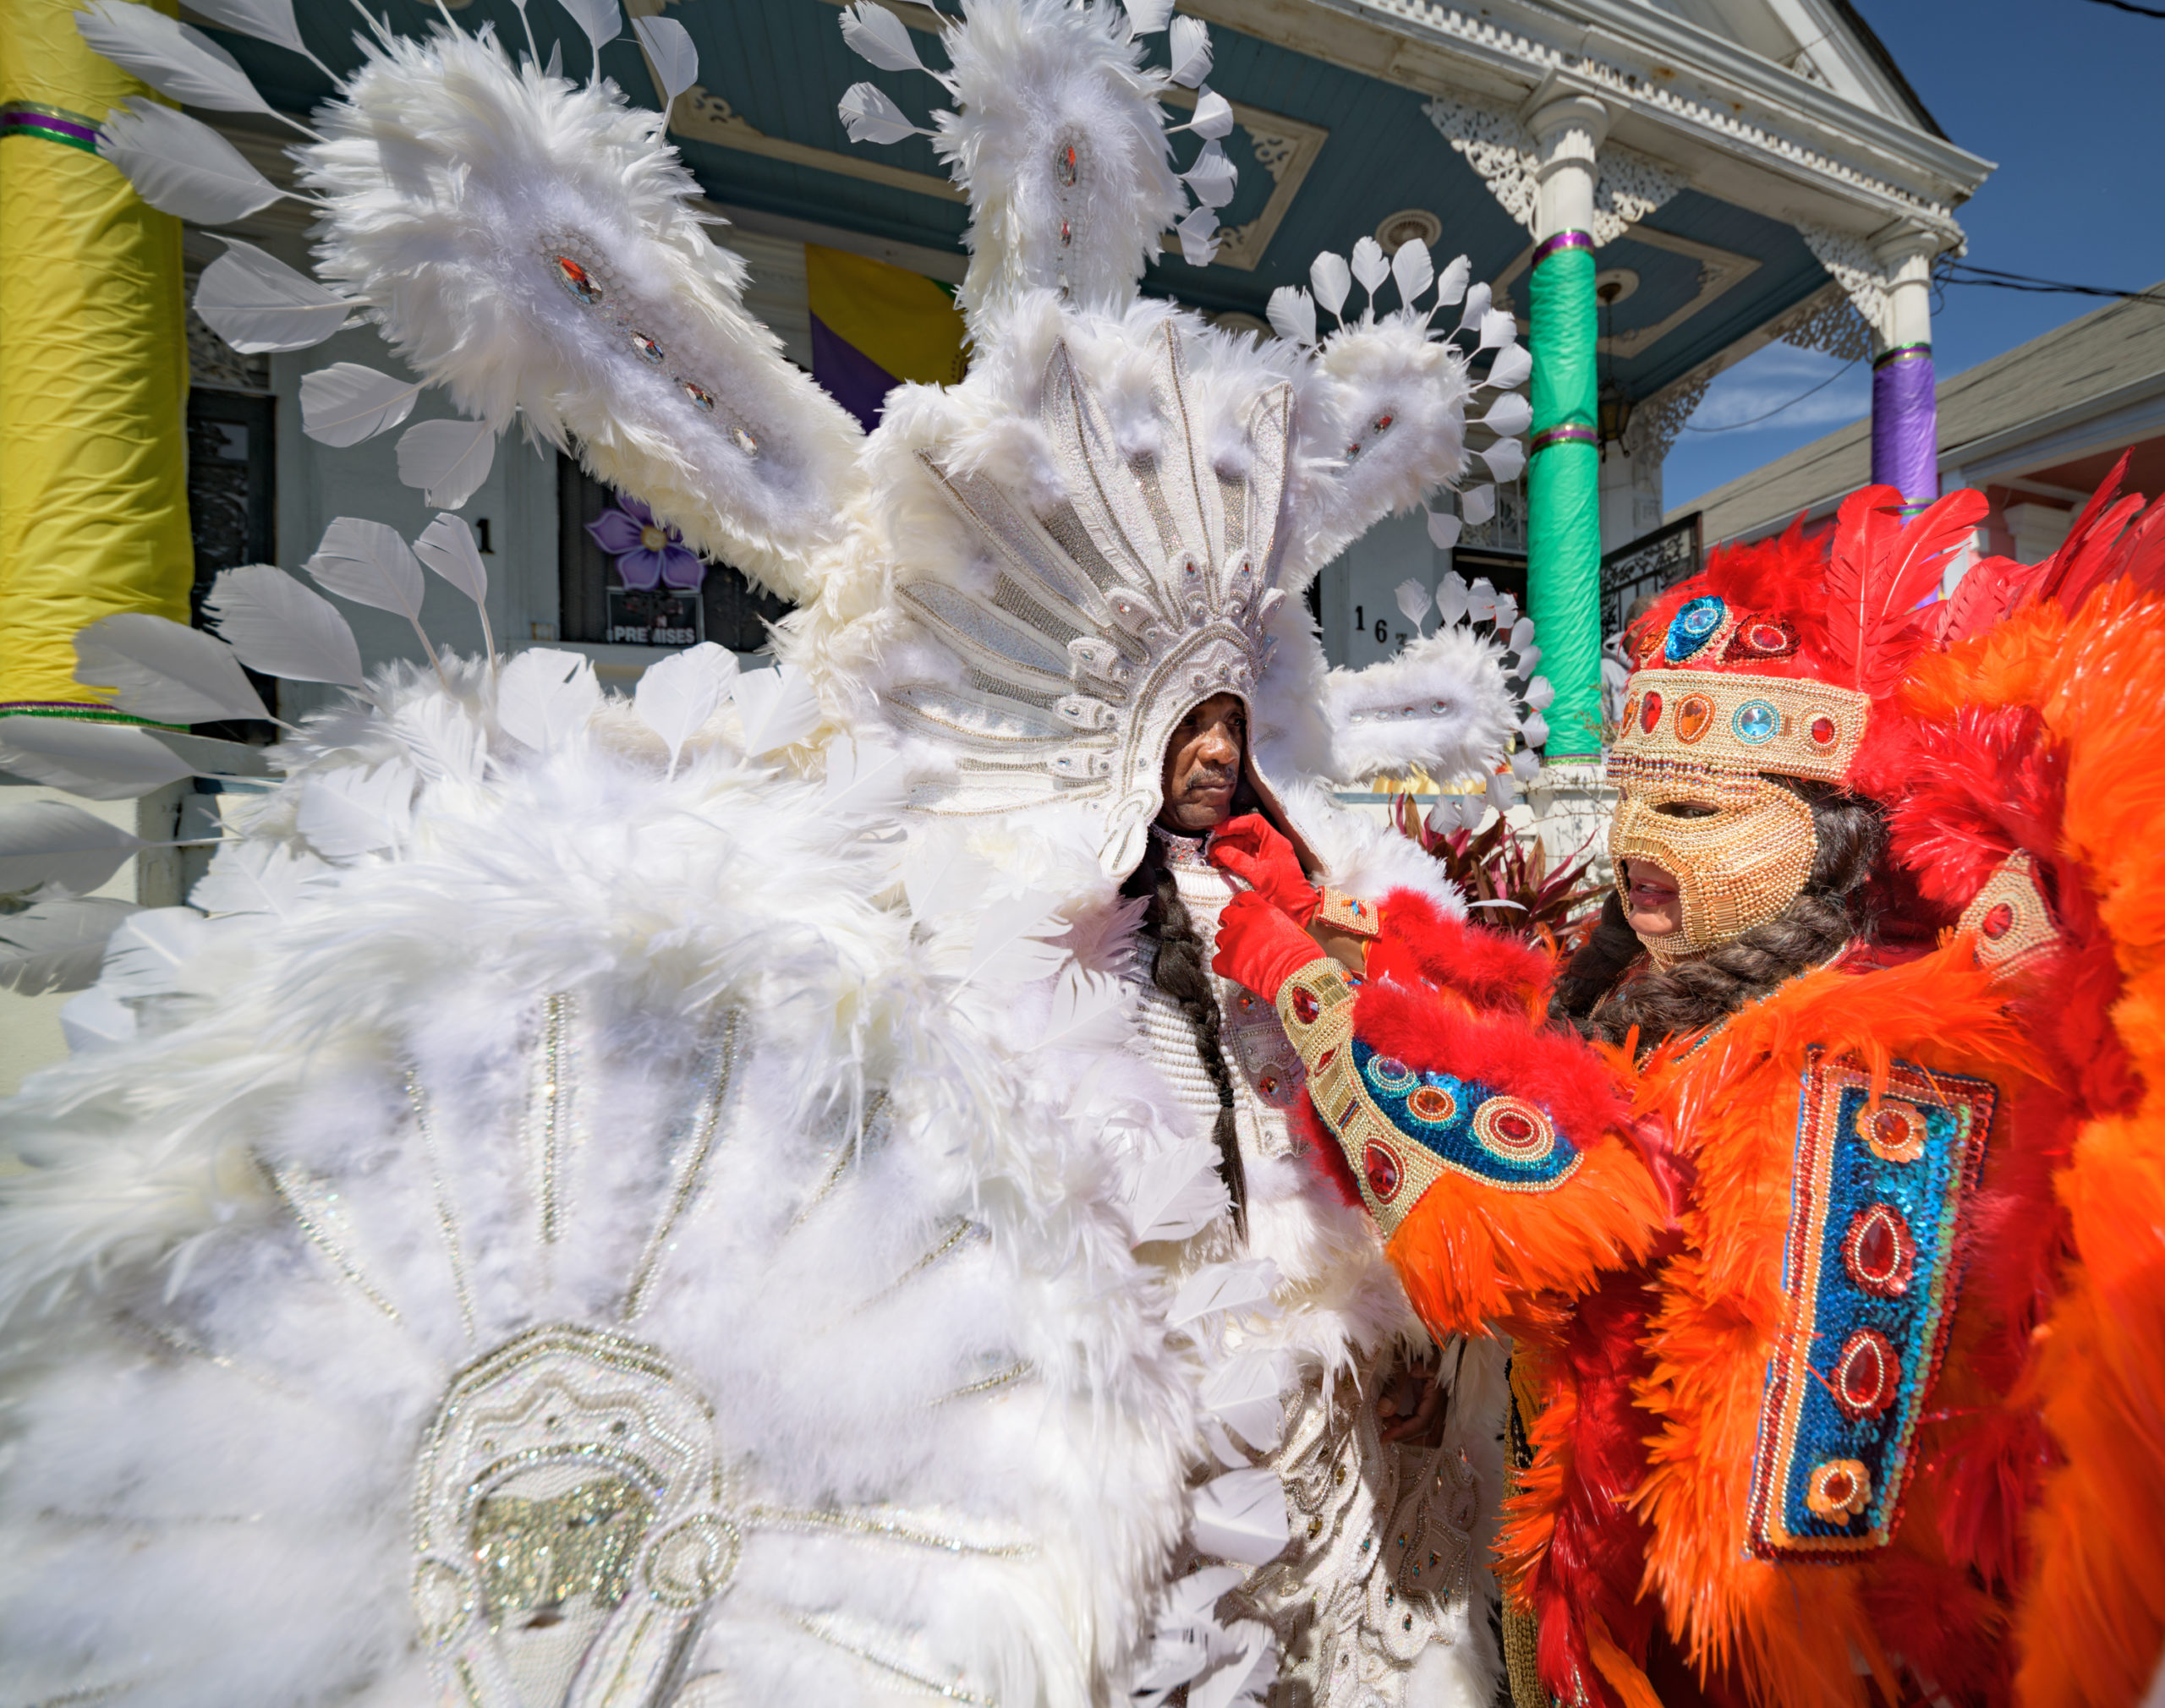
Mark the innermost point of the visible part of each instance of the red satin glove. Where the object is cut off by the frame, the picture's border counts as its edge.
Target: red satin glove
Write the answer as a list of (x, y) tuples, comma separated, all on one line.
[(1259, 947), (1254, 851)]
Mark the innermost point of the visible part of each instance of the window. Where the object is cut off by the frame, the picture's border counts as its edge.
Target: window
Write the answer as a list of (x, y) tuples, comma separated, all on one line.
[(599, 605)]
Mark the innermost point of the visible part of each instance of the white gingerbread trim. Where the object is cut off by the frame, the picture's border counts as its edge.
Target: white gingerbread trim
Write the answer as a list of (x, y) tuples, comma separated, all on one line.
[(1828, 321), (1857, 271), (1628, 185), (1657, 420)]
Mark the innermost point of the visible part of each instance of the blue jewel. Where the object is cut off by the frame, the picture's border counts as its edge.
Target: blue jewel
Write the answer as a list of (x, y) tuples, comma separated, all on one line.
[(1390, 1073), (1755, 723), (1693, 625)]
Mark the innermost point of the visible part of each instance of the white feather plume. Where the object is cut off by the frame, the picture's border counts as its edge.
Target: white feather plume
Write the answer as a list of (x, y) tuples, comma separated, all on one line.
[(875, 33), (1214, 115), (174, 59), (669, 50), (598, 21), (1413, 269), (868, 114), (1440, 704), (280, 628), (53, 842), (100, 762), (1189, 45), (370, 563), (1292, 313), (454, 240), (1369, 267), (58, 945), (179, 165), (676, 695), (449, 460), (1331, 280), (256, 303), (165, 671), (268, 21), (780, 707), (546, 698), (347, 403)]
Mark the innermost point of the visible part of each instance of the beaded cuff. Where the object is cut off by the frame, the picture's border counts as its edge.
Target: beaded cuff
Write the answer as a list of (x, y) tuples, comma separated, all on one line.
[(1402, 1129)]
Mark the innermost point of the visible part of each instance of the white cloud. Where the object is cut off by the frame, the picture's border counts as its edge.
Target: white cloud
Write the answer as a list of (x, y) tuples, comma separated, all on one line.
[(1750, 397)]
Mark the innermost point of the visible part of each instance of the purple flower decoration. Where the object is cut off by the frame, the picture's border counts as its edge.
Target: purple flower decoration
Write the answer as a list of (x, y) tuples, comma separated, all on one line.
[(648, 555)]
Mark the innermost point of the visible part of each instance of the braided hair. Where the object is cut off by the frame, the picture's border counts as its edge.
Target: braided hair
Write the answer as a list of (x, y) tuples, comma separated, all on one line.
[(1180, 971), (1603, 991)]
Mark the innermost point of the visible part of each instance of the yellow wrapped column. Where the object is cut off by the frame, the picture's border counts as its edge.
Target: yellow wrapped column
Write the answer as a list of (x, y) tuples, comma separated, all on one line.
[(93, 367)]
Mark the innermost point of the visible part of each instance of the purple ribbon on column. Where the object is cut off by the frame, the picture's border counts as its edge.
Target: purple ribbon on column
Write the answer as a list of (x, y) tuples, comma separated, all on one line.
[(1905, 424)]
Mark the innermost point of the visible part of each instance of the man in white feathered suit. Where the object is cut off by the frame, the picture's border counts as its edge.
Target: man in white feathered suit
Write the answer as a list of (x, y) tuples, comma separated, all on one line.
[(693, 1201)]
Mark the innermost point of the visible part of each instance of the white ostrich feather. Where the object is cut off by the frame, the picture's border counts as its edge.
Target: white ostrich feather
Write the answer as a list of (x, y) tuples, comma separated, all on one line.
[(455, 245), (1189, 45), (1440, 704), (869, 114), (676, 695)]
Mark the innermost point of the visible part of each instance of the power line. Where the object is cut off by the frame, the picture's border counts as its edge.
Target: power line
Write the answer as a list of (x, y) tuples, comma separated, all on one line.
[(1999, 280), (1731, 426)]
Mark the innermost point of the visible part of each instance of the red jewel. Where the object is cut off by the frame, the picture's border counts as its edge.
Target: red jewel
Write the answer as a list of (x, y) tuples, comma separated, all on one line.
[(1514, 1127), (1326, 1059), (1650, 712), (1384, 421), (1767, 638), (1381, 1169), (1999, 922), (1878, 1251), (1838, 1488), (1268, 1086), (1245, 1002), (1305, 1008), (1867, 1375), (1823, 731)]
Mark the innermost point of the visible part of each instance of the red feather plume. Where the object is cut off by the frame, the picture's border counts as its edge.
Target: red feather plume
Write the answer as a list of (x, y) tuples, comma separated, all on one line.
[(1880, 570)]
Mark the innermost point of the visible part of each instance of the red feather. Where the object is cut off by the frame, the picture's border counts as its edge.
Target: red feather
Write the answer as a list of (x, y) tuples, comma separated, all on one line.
[(1880, 570)]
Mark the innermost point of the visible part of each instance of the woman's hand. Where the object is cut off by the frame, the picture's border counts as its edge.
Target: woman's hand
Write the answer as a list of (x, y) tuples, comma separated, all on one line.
[(1410, 1407)]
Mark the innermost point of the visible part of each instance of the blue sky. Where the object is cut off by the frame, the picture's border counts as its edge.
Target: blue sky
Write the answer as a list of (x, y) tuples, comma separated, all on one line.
[(2062, 94)]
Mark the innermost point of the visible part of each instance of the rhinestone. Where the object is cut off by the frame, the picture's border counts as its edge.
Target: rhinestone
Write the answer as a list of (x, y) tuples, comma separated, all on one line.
[(1067, 168), (1381, 1169), (578, 284), (1382, 423), (1305, 1008), (701, 397), (1066, 234), (1755, 723), (1998, 923), (1650, 712), (1823, 731), (647, 349), (1695, 716)]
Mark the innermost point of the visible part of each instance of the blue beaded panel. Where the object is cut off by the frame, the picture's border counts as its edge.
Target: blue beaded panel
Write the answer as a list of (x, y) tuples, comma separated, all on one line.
[(1876, 1196), (1474, 1128), (1693, 626)]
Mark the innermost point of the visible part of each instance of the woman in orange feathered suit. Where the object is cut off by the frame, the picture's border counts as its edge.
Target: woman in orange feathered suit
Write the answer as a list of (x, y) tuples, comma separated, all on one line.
[(1823, 1191)]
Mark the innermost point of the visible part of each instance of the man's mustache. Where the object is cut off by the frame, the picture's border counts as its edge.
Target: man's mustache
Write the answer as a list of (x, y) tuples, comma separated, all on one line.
[(1209, 777)]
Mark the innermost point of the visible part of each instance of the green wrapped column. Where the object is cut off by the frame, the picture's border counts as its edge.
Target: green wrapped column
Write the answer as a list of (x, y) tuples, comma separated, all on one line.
[(1563, 493)]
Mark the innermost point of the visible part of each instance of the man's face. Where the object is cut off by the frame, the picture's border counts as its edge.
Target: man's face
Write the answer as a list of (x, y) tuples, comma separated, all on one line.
[(1203, 766)]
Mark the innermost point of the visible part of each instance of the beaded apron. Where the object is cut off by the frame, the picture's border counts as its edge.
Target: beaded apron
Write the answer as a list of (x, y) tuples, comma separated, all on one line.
[(1381, 1563)]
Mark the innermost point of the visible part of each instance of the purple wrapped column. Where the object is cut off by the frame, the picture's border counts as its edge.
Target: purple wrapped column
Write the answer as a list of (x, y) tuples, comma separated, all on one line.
[(1905, 424)]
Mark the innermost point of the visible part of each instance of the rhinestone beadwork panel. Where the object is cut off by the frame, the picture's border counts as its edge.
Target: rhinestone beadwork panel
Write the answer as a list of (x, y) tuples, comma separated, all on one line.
[(1876, 1195)]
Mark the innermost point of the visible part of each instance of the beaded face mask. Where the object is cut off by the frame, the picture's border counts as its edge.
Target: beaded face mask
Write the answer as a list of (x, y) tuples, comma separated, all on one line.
[(1738, 846)]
